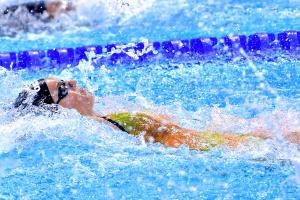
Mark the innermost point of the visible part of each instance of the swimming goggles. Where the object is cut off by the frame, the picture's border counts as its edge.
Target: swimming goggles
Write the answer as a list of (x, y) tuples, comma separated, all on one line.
[(63, 90)]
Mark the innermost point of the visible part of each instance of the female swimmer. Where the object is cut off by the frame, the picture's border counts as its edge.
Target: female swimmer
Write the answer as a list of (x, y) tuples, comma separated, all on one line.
[(53, 92)]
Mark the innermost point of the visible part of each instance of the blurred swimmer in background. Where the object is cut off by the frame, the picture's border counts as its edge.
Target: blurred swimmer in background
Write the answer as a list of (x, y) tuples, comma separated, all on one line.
[(49, 9), (52, 94), (35, 17), (50, 16)]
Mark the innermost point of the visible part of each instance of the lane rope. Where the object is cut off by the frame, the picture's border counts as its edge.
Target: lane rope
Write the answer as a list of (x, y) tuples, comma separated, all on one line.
[(118, 53)]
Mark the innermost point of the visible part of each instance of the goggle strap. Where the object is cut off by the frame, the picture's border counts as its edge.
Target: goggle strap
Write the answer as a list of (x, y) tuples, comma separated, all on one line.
[(59, 99)]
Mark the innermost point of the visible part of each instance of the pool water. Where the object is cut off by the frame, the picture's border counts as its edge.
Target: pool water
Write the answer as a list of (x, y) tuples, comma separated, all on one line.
[(68, 156)]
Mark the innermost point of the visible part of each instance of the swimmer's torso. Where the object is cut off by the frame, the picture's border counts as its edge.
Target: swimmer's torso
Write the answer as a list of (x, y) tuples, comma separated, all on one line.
[(159, 130)]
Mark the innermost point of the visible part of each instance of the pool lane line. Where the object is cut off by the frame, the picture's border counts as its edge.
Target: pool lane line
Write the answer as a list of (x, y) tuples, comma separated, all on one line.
[(201, 47)]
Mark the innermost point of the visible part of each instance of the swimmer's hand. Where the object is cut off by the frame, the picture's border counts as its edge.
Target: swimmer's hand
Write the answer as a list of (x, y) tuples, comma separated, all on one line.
[(292, 137)]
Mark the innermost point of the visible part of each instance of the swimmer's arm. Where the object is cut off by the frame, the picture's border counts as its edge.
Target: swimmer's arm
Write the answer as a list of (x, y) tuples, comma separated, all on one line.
[(292, 137)]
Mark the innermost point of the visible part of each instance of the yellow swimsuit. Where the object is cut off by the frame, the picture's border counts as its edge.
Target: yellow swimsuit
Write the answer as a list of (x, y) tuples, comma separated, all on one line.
[(169, 134)]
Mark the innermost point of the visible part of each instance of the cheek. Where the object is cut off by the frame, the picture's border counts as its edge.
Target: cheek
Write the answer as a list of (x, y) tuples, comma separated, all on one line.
[(76, 99), (91, 99), (69, 101)]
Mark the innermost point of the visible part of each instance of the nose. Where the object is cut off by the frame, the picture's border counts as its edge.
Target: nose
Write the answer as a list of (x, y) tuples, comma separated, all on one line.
[(72, 83)]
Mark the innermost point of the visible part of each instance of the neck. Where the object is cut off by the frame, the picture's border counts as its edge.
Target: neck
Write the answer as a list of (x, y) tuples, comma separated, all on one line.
[(88, 113)]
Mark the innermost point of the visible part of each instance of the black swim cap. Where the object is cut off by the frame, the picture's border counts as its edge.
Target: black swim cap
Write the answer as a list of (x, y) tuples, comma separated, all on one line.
[(37, 94)]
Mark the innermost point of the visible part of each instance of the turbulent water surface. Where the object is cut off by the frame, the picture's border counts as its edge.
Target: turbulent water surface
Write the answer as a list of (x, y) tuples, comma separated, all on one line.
[(66, 155)]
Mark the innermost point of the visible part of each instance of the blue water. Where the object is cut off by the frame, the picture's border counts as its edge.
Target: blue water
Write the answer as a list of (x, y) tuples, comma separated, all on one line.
[(112, 22), (68, 156)]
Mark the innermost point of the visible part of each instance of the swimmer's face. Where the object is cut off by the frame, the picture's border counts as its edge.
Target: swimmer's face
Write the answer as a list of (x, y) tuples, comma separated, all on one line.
[(76, 98)]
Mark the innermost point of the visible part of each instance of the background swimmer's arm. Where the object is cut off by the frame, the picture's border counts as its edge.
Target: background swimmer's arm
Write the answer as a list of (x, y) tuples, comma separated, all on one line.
[(56, 7)]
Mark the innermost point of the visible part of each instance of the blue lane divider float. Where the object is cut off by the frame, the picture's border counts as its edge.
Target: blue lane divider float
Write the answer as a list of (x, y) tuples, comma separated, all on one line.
[(31, 58), (234, 42), (176, 47), (8, 60), (203, 45), (260, 41), (289, 39), (60, 56), (117, 53)]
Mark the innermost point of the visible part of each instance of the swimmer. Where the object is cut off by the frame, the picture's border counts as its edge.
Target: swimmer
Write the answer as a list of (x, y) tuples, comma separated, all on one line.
[(52, 93), (51, 7)]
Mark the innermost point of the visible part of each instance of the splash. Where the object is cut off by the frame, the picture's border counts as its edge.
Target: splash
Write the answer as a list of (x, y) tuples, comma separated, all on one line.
[(69, 155), (214, 118), (87, 153)]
